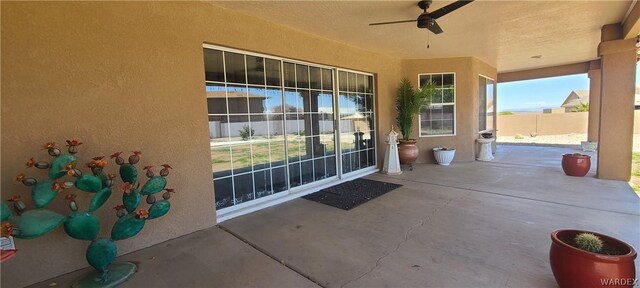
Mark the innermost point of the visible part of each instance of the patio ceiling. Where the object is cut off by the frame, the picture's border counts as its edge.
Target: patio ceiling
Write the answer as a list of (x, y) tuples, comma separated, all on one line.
[(505, 34)]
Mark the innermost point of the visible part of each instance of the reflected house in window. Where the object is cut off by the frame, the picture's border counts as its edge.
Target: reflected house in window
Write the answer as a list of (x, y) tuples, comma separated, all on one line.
[(237, 101)]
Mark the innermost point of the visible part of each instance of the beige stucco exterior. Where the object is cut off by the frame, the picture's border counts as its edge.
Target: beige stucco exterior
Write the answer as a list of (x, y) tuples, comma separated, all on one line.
[(467, 70), (127, 76), (122, 76), (617, 97), (594, 104)]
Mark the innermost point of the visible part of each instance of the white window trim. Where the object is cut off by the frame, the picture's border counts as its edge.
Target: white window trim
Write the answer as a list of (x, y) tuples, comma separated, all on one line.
[(494, 107), (455, 117)]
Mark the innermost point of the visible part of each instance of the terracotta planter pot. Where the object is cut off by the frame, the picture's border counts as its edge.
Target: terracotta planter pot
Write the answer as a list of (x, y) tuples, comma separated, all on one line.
[(573, 267), (408, 151), (576, 165)]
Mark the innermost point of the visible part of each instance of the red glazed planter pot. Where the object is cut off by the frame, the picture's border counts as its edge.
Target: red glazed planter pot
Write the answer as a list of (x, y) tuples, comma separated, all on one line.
[(573, 267), (576, 165)]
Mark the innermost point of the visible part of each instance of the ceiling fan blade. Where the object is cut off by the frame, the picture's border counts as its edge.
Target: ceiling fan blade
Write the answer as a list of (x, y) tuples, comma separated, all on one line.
[(392, 22), (448, 9), (434, 27)]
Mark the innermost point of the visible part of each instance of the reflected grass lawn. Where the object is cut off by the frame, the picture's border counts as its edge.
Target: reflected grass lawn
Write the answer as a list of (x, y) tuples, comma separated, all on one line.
[(264, 150)]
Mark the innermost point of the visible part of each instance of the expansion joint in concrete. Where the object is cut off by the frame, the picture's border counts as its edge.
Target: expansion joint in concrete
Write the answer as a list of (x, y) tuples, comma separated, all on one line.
[(266, 253)]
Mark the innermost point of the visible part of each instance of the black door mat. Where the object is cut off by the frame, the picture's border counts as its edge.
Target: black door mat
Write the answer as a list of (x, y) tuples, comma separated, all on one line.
[(351, 194)]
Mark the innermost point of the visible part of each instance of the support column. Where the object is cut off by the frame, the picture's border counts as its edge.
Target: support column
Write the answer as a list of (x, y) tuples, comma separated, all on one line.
[(618, 71), (594, 101)]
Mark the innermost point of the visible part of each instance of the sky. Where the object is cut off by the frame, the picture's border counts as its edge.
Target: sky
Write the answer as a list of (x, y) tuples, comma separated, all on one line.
[(537, 94), (534, 95)]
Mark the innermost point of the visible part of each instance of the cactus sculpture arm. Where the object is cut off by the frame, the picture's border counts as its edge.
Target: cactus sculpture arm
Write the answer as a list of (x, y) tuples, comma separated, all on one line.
[(82, 224)]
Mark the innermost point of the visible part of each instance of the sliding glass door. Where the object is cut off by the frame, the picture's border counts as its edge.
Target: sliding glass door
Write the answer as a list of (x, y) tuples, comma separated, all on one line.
[(308, 94), (357, 131), (274, 124)]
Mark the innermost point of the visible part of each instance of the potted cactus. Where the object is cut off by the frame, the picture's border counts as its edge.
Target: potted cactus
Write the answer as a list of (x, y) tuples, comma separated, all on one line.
[(588, 259), (64, 176), (408, 104), (576, 164)]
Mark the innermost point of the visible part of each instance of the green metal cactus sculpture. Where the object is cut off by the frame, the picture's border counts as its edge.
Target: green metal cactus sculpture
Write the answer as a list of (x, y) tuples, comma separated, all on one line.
[(82, 224)]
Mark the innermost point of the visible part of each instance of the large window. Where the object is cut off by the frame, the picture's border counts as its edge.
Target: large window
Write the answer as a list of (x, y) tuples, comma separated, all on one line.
[(438, 119), (487, 104), (273, 126)]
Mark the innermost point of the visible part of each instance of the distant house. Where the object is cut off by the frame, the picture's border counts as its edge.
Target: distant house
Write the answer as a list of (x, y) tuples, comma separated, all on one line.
[(234, 102), (575, 98)]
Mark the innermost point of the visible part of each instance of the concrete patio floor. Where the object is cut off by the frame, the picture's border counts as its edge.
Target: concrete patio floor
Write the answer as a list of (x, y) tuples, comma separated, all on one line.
[(471, 224)]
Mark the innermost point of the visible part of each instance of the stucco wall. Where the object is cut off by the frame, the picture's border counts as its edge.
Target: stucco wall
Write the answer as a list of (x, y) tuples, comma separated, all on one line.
[(123, 76), (543, 124), (467, 71)]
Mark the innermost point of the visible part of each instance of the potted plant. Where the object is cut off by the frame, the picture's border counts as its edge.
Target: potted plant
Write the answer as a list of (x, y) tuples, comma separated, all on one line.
[(588, 259), (408, 104), (444, 155), (576, 164)]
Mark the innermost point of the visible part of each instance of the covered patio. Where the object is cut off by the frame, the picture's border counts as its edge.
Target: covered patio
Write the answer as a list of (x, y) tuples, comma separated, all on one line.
[(255, 104), (473, 224)]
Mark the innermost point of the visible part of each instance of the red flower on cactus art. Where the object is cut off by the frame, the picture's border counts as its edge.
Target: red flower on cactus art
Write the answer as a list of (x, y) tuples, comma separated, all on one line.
[(73, 143), (126, 187), (166, 166), (70, 197), (142, 214), (69, 167), (15, 198), (30, 163), (118, 207), (7, 229), (115, 155), (56, 186), (49, 145), (20, 177)]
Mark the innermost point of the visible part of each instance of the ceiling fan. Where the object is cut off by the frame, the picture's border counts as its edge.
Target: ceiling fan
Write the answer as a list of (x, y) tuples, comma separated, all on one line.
[(428, 19)]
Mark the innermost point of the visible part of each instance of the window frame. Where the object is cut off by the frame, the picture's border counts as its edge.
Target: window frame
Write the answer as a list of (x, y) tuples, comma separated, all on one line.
[(492, 130), (257, 203), (455, 117)]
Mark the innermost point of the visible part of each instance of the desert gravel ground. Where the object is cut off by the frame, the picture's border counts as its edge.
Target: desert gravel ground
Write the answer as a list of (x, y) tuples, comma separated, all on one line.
[(565, 139)]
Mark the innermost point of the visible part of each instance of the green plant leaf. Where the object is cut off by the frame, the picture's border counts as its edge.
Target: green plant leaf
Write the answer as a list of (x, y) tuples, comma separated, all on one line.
[(89, 183), (43, 193), (82, 226), (131, 200), (409, 102), (159, 208), (129, 173), (154, 185), (57, 166), (127, 227), (99, 199), (5, 212), (35, 223), (101, 253)]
